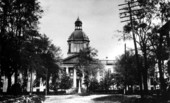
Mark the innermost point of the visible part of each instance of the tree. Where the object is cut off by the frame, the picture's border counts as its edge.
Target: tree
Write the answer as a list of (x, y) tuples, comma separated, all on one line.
[(94, 85), (159, 10), (50, 59), (107, 81), (42, 57), (24, 50), (126, 70), (158, 49), (143, 26), (66, 82), (87, 65), (17, 17)]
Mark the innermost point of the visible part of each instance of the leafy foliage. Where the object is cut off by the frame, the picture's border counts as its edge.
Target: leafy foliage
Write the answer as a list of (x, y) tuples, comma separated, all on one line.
[(151, 45), (23, 49), (126, 71), (107, 81), (66, 82), (17, 18), (87, 65), (87, 62), (94, 85)]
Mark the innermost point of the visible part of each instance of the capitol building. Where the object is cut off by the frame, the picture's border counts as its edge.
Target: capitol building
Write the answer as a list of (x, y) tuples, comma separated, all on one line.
[(77, 41)]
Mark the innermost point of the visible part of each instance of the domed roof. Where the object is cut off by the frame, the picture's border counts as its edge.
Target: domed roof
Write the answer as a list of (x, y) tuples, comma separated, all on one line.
[(78, 35)]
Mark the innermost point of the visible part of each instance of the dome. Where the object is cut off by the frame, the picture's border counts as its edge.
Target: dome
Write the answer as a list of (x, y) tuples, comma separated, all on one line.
[(78, 39), (78, 35)]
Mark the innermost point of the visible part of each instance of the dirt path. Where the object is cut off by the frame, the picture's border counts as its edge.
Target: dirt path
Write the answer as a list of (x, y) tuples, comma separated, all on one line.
[(105, 98)]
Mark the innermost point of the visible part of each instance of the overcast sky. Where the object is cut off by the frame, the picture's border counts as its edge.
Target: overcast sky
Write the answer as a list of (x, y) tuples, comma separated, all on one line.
[(100, 23)]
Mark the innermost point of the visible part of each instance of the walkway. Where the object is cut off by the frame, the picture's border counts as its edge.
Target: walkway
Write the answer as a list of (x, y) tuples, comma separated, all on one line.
[(104, 98)]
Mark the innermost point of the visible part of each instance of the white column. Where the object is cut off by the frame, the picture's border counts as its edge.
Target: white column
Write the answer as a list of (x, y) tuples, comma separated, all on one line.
[(82, 80), (5, 84), (28, 83), (67, 71), (82, 77), (98, 76), (79, 87), (75, 78)]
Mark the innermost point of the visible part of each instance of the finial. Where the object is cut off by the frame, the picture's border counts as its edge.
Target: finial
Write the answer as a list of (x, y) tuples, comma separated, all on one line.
[(78, 18), (78, 24)]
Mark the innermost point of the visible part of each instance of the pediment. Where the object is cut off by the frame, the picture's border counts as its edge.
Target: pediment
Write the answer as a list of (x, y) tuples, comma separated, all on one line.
[(71, 59)]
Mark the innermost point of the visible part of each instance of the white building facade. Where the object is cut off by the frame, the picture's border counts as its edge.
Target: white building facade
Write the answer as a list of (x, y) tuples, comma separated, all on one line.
[(77, 41)]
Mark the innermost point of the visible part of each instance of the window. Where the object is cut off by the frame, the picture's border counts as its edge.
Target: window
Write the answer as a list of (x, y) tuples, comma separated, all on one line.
[(71, 71)]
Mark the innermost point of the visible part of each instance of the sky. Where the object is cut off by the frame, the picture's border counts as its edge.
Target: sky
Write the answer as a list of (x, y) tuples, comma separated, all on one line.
[(100, 20)]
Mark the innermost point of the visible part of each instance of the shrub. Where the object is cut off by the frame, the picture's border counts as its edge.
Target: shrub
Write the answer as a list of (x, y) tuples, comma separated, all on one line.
[(66, 82), (94, 85)]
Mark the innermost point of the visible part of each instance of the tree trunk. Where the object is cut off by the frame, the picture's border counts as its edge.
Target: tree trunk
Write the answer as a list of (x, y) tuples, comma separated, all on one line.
[(162, 81), (145, 72), (9, 83), (159, 56), (25, 81), (145, 82), (48, 78), (16, 76), (31, 86)]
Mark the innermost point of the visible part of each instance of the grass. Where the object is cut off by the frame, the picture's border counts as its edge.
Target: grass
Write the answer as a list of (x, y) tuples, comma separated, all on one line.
[(21, 98)]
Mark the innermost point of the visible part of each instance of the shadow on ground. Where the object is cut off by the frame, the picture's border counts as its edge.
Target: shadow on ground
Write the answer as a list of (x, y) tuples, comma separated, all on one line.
[(129, 99), (112, 98)]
